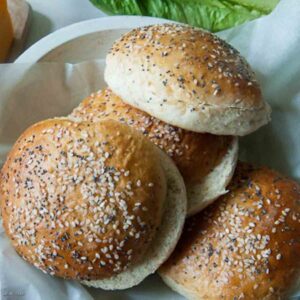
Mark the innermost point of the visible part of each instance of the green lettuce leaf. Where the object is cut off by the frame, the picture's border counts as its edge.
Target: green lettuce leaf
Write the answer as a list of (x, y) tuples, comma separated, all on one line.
[(213, 15)]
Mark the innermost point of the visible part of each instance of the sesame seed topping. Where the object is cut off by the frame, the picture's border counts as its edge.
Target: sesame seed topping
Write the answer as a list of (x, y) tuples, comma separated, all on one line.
[(226, 242), (84, 205), (169, 138)]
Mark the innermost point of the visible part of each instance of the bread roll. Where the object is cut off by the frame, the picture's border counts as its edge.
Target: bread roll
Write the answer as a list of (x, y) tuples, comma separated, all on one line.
[(188, 78), (80, 201), (245, 246), (205, 161)]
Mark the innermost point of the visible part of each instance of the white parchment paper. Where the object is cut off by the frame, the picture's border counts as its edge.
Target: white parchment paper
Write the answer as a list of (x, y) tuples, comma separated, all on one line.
[(29, 93)]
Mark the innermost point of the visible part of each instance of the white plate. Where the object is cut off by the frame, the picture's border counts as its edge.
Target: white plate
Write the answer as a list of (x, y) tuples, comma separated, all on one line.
[(83, 41)]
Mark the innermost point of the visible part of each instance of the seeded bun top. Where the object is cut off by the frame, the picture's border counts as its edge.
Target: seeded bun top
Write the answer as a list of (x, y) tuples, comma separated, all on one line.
[(187, 149), (79, 200), (186, 77), (205, 161), (245, 246)]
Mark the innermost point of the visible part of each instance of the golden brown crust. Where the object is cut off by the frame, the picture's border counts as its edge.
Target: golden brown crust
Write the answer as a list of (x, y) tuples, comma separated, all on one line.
[(195, 154), (206, 67), (188, 78), (246, 245), (79, 200)]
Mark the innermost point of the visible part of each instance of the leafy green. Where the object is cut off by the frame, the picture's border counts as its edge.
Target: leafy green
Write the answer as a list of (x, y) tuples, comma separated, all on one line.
[(213, 15), (261, 5)]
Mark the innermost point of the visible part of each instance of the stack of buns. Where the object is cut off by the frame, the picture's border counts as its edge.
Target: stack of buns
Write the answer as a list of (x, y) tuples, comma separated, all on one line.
[(101, 195)]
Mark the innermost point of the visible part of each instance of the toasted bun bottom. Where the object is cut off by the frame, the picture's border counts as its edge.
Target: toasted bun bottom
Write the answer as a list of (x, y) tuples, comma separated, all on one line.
[(215, 183), (166, 238)]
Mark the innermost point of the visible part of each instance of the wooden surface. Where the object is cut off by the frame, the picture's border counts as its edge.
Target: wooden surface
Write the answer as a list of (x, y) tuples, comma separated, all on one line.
[(20, 15)]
